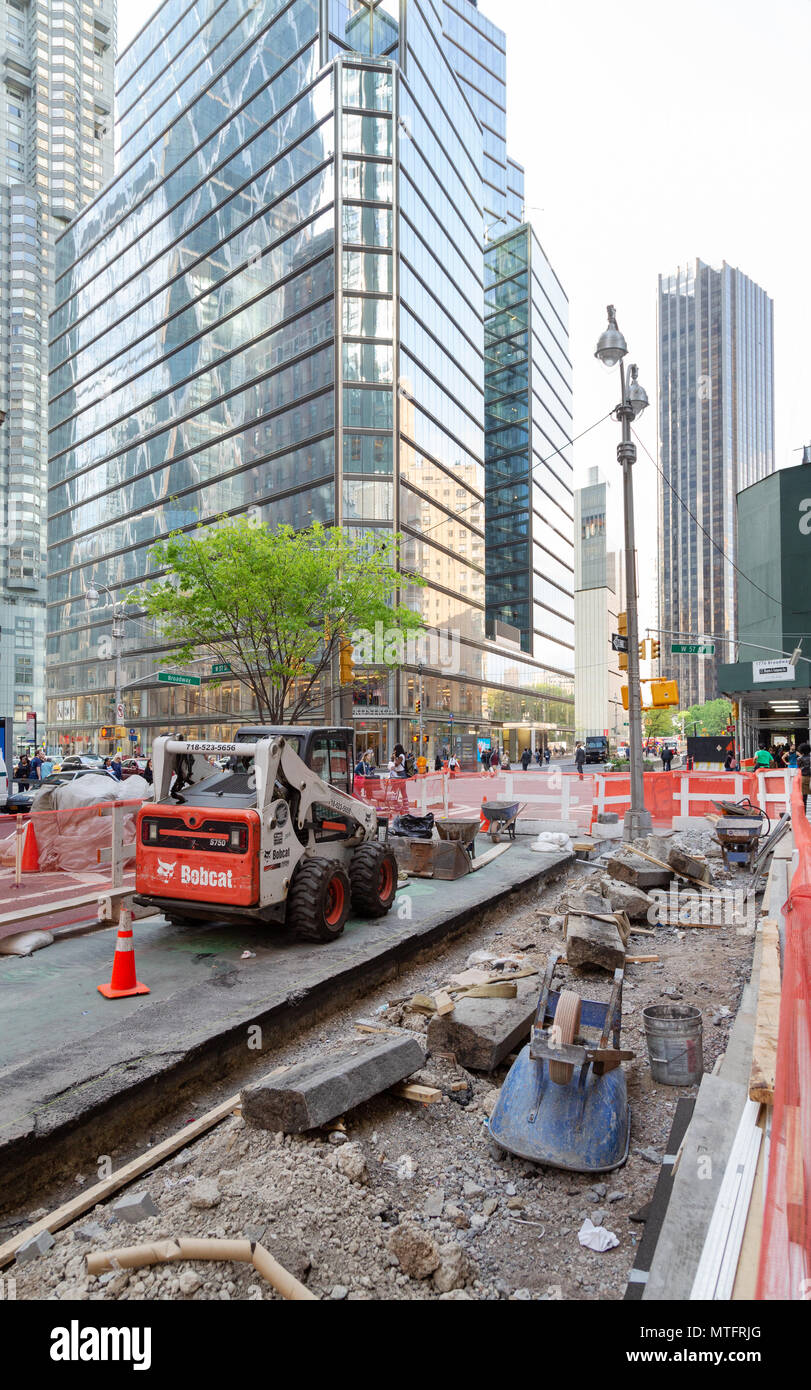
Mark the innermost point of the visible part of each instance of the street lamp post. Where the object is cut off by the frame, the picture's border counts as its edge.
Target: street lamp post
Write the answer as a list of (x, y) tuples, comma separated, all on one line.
[(92, 599), (611, 349)]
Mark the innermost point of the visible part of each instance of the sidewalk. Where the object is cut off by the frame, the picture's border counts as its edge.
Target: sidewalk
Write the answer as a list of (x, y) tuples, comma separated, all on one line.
[(71, 1057)]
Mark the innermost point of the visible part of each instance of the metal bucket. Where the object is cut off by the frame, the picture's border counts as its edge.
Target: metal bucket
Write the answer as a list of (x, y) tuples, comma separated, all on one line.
[(674, 1037)]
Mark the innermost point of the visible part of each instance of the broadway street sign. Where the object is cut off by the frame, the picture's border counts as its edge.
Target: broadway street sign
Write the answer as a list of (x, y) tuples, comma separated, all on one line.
[(175, 678)]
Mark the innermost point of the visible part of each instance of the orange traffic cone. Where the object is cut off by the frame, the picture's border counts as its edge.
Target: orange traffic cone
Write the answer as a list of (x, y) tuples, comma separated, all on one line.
[(484, 824), (30, 859), (123, 981)]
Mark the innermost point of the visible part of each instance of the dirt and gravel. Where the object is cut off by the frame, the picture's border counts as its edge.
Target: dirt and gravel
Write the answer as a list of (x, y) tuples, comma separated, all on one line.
[(410, 1201)]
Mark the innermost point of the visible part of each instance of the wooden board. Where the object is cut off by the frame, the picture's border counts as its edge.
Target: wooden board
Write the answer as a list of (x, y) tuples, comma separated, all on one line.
[(68, 1212), (443, 1001), (764, 1050), (482, 859), (411, 1090)]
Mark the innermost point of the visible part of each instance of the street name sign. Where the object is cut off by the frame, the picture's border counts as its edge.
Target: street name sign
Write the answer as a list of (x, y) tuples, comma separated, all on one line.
[(692, 649), (220, 668), (176, 678)]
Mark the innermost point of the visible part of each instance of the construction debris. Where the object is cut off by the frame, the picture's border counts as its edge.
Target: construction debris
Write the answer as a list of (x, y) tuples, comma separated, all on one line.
[(639, 875), (136, 1206), (689, 865), (481, 1031), (34, 1246), (312, 1092), (594, 941)]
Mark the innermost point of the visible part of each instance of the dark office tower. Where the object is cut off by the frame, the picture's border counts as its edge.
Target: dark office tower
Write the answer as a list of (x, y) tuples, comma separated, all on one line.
[(716, 430)]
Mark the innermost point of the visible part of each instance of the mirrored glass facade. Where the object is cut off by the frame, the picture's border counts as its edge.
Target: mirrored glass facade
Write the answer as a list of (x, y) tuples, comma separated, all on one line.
[(278, 305), (56, 153), (716, 432)]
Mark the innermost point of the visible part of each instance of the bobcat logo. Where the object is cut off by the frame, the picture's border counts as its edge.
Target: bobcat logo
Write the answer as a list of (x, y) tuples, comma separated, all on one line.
[(165, 871)]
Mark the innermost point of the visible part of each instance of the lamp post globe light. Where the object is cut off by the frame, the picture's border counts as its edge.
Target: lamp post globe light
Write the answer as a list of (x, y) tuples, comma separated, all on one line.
[(611, 349)]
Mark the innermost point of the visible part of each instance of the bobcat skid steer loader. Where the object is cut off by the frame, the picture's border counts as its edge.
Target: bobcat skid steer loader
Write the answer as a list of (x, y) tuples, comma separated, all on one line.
[(274, 835)]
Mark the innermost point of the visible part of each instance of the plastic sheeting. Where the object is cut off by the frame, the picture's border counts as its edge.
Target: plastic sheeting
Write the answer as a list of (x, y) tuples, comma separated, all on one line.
[(73, 824), (785, 1252)]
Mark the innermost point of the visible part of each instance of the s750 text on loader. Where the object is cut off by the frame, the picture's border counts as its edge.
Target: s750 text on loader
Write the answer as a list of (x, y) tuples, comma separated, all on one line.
[(274, 835)]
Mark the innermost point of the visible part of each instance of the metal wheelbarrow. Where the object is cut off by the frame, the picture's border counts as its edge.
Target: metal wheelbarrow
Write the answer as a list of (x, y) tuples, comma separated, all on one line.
[(501, 816), (463, 831), (565, 1102)]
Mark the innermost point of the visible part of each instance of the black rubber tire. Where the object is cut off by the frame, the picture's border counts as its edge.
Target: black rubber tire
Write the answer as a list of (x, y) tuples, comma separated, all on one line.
[(373, 875), (318, 901)]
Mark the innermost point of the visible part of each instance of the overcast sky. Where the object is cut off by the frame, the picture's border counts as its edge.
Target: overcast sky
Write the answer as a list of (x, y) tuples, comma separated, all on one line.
[(653, 133)]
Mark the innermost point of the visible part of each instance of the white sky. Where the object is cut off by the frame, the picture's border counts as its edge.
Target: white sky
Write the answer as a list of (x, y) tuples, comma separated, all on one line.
[(654, 132)]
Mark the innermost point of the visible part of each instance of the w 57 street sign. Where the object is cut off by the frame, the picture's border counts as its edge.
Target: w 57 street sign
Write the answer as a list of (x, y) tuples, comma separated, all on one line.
[(692, 648)]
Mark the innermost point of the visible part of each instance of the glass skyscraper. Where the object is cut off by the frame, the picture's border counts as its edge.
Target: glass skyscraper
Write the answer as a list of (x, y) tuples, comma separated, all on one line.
[(56, 152), (278, 305), (716, 433)]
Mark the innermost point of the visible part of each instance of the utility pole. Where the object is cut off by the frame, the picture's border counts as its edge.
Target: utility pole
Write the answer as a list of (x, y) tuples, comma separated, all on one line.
[(611, 349)]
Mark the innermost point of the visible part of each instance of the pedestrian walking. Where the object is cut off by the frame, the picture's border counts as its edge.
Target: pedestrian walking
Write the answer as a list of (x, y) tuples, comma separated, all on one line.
[(580, 758), (495, 760), (547, 754), (539, 757), (804, 765), (149, 776), (667, 758), (526, 758), (763, 758)]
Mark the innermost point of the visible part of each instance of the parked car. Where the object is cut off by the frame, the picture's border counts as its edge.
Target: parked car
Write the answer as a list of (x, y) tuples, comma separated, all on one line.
[(92, 761), (20, 803), (132, 767)]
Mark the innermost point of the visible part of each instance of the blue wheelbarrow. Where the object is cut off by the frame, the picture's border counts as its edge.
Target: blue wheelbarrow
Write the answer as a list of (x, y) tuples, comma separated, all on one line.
[(565, 1102)]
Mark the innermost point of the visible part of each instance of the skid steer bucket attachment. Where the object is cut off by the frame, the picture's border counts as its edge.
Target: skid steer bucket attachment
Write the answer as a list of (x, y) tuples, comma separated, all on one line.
[(564, 1101)]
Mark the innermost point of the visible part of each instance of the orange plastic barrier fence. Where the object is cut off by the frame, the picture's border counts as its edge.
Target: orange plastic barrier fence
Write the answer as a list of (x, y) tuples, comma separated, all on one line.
[(785, 1252), (71, 840), (671, 794)]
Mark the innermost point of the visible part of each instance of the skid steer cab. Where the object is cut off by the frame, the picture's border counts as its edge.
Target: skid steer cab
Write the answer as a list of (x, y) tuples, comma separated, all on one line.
[(264, 828)]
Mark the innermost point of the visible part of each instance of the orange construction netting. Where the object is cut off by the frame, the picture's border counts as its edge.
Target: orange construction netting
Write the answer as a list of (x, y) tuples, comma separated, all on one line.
[(785, 1253)]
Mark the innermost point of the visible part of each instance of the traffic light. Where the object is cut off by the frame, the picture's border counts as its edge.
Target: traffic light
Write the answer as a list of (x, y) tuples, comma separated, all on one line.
[(425, 738), (734, 710), (346, 666), (642, 646), (107, 731), (655, 648), (624, 694), (664, 694), (415, 738), (417, 706), (622, 628)]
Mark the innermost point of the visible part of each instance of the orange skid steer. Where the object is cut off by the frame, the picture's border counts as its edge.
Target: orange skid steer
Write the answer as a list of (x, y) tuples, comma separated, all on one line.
[(264, 828)]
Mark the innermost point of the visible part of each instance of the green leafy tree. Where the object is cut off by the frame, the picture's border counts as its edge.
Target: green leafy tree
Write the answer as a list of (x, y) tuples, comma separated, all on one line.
[(710, 718), (276, 605), (658, 723)]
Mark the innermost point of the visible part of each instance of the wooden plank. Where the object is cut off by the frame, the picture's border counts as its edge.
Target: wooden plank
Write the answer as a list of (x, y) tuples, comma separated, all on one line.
[(640, 960), (764, 1050), (494, 989), (443, 1001), (422, 1004), (68, 1212), (725, 1232), (749, 1258), (411, 1090), (482, 859)]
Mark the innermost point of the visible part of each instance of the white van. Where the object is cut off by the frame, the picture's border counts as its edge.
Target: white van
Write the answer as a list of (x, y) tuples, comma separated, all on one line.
[(3, 785)]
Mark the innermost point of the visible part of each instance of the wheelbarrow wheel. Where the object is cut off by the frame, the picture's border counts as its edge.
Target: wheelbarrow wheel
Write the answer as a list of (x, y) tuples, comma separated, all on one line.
[(567, 1022)]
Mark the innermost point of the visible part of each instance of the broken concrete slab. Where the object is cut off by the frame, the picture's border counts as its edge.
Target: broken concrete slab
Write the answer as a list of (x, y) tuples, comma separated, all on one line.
[(639, 873), (35, 1246), (623, 897), (593, 942), (689, 865), (319, 1089), (134, 1207), (480, 1032), (585, 902)]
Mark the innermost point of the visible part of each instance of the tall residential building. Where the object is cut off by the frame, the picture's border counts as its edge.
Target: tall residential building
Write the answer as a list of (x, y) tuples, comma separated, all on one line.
[(716, 430), (278, 304), (56, 152), (599, 596)]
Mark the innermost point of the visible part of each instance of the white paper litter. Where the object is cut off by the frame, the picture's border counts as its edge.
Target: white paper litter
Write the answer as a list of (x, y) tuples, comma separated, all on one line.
[(596, 1237)]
